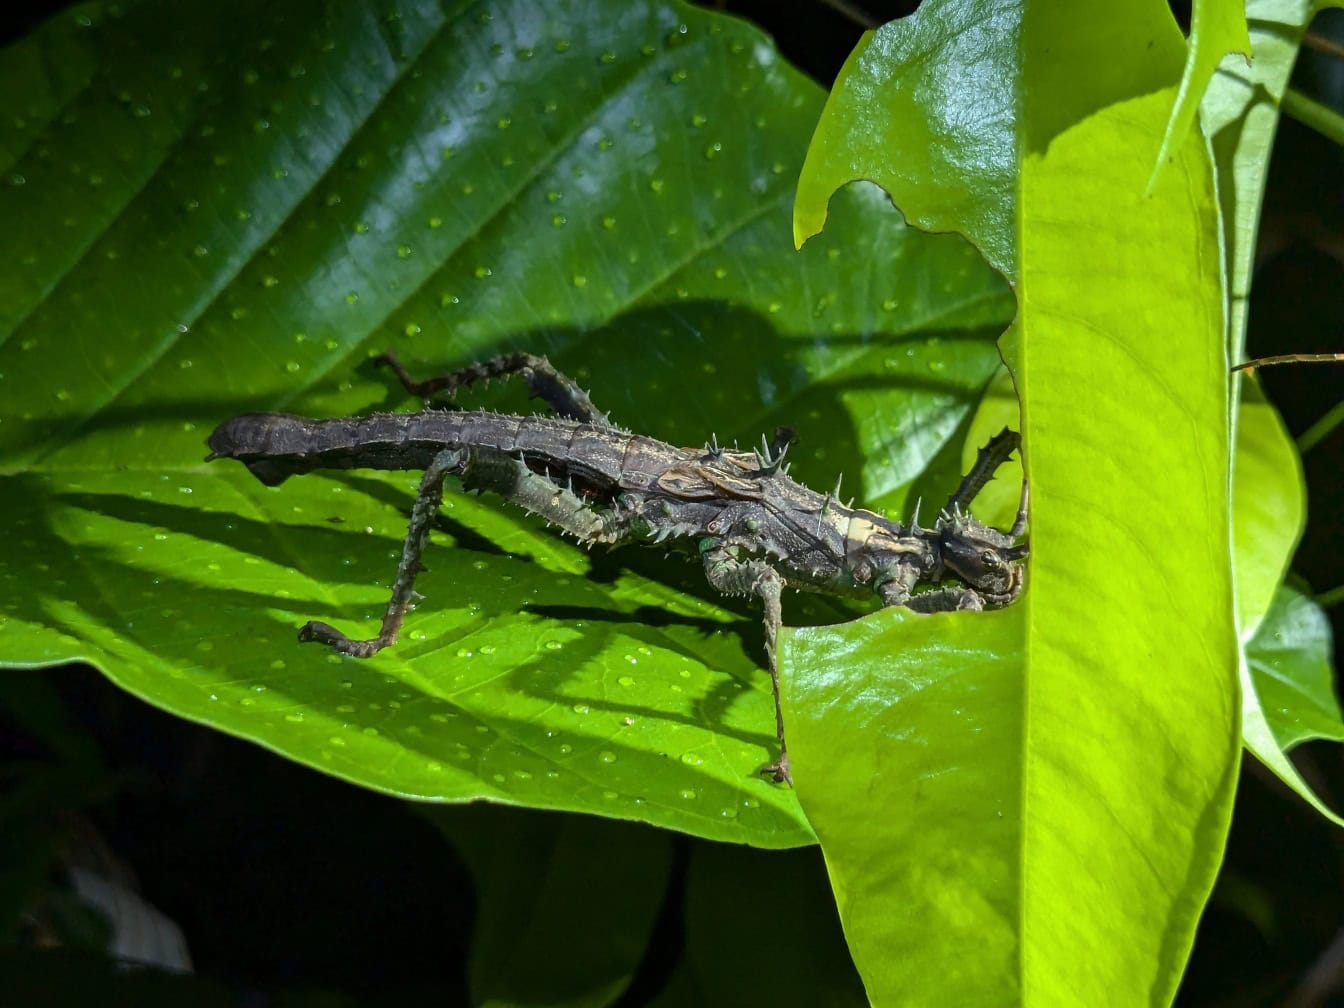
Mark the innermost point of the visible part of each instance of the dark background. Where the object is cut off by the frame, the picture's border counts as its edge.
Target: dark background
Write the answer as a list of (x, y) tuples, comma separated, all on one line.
[(275, 873)]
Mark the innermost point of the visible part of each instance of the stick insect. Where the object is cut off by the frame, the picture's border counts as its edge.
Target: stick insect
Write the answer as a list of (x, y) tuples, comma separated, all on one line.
[(755, 530)]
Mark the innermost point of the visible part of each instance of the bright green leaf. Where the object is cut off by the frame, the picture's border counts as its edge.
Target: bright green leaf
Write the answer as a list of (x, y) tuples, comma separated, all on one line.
[(1217, 27), (248, 201), (1269, 507), (1110, 750), (913, 726), (1240, 114)]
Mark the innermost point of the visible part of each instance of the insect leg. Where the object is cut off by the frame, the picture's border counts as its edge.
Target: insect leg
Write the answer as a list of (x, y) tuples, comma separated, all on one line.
[(987, 460), (560, 392), (509, 476), (732, 576), (947, 599), (427, 503)]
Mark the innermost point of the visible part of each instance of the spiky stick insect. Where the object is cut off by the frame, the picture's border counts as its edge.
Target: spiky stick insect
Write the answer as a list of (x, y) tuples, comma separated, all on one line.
[(755, 530)]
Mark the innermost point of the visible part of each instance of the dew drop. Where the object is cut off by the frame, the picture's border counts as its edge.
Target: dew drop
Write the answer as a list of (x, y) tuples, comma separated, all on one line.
[(607, 756), (292, 366), (435, 222), (688, 794), (464, 652), (580, 708), (553, 645), (403, 252)]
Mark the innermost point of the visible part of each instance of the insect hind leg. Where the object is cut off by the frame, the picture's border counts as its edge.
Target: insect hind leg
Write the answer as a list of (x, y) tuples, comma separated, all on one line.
[(448, 461), (560, 392)]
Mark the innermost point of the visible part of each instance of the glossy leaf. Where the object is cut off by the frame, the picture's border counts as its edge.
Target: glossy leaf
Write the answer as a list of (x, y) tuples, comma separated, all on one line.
[(953, 130), (230, 208), (1288, 686), (1290, 667), (1108, 742)]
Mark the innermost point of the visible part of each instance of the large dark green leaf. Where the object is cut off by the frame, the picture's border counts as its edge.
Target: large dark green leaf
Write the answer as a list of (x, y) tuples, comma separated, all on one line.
[(565, 904), (218, 208)]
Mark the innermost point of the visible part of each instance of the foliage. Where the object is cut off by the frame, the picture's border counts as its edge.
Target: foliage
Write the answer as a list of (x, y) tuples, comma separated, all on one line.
[(231, 209)]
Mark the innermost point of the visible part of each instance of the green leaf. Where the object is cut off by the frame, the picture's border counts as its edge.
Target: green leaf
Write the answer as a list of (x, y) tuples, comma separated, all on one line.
[(777, 901), (1288, 686), (954, 134), (566, 904), (1240, 113), (1099, 715), (1289, 660), (922, 820), (246, 202), (1217, 27), (1269, 506)]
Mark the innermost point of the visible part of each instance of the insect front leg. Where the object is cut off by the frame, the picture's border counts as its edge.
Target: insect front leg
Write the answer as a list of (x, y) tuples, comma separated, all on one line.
[(560, 392), (987, 460), (448, 461), (732, 576), (509, 476), (951, 598)]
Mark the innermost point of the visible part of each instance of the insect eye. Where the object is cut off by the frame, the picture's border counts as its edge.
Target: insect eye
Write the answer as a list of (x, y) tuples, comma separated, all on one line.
[(989, 558)]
